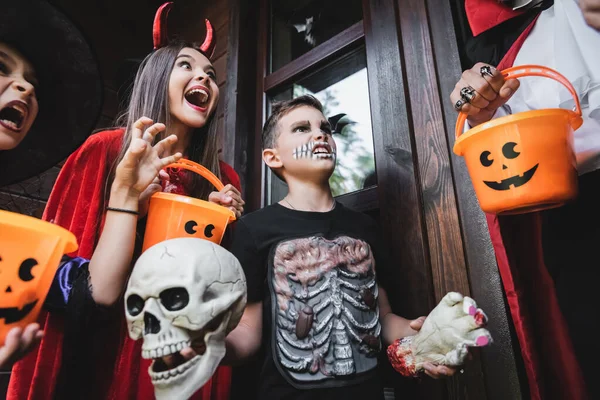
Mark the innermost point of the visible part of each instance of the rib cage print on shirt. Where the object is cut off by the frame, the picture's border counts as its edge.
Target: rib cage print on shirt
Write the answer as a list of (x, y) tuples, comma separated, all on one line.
[(324, 308)]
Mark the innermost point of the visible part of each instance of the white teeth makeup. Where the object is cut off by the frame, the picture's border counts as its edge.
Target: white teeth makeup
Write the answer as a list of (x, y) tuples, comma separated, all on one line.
[(315, 151)]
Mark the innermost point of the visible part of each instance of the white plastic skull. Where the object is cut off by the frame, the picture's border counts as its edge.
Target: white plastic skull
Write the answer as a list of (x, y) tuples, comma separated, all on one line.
[(184, 292)]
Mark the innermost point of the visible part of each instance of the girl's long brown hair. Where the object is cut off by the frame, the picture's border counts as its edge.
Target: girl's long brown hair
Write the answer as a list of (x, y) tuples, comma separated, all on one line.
[(150, 98)]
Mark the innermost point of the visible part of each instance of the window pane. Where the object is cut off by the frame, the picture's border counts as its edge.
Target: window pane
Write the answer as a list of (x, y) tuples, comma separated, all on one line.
[(300, 25), (342, 88)]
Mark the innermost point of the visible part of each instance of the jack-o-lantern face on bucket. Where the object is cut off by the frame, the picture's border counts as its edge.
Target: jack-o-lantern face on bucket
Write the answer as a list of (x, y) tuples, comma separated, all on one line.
[(25, 274), (30, 252), (191, 228), (520, 167), (509, 152), (173, 216), (525, 161)]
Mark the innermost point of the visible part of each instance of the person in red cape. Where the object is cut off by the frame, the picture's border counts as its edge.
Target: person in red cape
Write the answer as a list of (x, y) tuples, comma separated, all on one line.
[(546, 259), (44, 61), (101, 196)]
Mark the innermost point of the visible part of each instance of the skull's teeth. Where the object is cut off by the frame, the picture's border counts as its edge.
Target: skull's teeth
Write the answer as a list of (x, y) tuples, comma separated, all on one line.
[(157, 376), (165, 350)]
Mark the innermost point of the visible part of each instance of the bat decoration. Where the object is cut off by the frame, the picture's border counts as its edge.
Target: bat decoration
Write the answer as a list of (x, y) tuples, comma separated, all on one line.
[(307, 28), (338, 122)]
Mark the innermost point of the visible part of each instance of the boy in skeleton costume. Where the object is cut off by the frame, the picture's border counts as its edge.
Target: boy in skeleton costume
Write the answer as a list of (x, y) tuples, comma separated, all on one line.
[(314, 271)]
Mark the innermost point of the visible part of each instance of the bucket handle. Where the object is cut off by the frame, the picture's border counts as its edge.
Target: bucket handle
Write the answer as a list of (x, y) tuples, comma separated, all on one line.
[(527, 70), (200, 170)]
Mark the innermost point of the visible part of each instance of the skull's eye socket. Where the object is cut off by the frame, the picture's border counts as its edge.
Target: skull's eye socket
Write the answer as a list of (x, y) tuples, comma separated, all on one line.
[(135, 305), (25, 269), (485, 159), (174, 299), (509, 150)]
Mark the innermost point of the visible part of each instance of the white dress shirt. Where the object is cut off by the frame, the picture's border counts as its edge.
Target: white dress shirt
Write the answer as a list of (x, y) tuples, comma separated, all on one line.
[(562, 40)]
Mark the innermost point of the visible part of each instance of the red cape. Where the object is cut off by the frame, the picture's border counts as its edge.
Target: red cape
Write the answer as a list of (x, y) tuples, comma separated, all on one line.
[(552, 369), (486, 14), (76, 203)]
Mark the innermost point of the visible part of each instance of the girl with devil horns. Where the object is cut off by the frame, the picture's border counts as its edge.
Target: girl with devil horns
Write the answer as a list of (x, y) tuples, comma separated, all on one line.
[(101, 195)]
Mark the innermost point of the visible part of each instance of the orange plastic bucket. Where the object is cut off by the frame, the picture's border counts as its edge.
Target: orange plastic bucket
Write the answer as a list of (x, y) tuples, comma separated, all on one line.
[(30, 253), (523, 162), (173, 216)]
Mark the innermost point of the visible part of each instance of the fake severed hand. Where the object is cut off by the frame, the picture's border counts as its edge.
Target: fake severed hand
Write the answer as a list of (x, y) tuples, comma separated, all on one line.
[(453, 326)]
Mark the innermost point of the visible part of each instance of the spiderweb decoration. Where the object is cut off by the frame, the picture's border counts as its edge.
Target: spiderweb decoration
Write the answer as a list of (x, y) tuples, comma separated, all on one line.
[(29, 197)]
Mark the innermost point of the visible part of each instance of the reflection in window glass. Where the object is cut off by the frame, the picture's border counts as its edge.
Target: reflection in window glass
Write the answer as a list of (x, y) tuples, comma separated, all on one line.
[(300, 25), (343, 90)]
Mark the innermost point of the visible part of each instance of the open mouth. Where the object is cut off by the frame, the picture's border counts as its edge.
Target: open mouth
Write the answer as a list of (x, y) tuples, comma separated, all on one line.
[(315, 151), (13, 115), (198, 97), (168, 361), (171, 363), (13, 314), (513, 181)]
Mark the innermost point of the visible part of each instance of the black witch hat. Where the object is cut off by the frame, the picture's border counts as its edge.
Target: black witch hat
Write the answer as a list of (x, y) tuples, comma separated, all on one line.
[(70, 86)]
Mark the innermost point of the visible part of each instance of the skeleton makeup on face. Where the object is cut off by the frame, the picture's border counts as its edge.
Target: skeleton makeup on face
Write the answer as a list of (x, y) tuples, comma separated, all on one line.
[(315, 150)]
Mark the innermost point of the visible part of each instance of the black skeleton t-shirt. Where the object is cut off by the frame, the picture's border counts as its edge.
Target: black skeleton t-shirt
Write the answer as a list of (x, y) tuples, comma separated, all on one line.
[(315, 274)]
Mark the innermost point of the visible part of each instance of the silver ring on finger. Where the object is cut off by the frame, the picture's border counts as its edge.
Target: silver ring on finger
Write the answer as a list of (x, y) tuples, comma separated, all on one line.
[(459, 104), (486, 70), (467, 93)]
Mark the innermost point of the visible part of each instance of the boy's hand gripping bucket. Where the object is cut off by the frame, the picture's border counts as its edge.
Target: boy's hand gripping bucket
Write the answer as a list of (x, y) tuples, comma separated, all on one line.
[(30, 253), (173, 216), (523, 162)]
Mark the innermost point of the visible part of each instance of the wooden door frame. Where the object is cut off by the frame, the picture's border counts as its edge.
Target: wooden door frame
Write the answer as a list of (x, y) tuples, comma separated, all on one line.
[(502, 363), (424, 188)]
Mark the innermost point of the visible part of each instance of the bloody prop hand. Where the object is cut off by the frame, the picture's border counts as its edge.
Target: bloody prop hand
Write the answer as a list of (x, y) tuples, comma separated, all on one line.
[(453, 326)]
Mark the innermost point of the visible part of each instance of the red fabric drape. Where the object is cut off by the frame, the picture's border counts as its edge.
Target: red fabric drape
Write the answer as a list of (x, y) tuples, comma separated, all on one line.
[(486, 14), (76, 203)]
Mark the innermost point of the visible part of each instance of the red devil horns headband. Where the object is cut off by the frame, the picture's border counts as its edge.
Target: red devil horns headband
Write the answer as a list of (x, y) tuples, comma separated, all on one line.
[(160, 35)]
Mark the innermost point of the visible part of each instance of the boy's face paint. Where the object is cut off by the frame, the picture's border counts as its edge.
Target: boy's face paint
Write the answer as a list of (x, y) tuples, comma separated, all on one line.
[(314, 150), (305, 145), (18, 101), (193, 89)]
